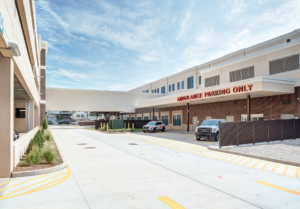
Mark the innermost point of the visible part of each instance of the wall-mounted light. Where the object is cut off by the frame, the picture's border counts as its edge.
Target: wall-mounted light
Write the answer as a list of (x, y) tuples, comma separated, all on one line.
[(14, 49)]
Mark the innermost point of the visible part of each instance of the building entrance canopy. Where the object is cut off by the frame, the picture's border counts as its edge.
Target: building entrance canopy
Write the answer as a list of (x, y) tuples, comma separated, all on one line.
[(256, 87)]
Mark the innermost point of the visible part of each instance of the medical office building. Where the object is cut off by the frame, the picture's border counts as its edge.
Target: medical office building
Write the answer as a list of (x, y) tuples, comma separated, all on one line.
[(261, 82)]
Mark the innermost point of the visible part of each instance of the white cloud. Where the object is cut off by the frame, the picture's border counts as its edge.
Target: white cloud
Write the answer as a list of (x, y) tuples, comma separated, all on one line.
[(69, 74), (237, 7), (184, 21)]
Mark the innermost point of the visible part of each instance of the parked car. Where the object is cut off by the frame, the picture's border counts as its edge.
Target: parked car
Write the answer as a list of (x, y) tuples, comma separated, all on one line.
[(16, 135), (154, 126), (209, 129), (50, 122), (64, 122)]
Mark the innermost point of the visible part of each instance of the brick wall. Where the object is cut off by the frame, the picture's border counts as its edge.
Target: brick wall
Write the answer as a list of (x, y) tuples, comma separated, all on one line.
[(271, 107)]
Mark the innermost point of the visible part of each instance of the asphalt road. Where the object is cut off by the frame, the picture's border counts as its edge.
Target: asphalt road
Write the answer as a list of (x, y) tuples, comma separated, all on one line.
[(108, 172)]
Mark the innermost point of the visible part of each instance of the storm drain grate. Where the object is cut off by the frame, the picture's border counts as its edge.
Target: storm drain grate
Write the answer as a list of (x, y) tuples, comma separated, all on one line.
[(90, 147), (133, 144), (81, 144)]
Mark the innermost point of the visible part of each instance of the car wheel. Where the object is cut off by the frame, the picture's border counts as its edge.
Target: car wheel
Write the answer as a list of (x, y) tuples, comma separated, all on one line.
[(163, 130), (198, 139), (216, 137), (154, 130), (144, 131)]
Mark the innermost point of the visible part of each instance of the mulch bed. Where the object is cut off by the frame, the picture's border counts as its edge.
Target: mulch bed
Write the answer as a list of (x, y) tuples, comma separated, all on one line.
[(42, 165)]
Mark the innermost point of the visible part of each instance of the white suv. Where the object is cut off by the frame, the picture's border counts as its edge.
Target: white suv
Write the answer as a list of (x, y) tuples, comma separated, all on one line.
[(209, 129)]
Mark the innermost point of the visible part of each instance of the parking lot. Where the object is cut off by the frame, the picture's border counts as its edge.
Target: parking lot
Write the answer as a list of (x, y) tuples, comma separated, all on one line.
[(161, 170)]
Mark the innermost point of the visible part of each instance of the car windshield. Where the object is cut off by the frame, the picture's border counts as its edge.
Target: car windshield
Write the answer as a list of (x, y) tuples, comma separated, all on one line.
[(151, 123), (210, 122)]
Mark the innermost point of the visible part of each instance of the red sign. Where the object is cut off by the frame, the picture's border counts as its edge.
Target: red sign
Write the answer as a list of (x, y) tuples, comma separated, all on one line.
[(226, 91)]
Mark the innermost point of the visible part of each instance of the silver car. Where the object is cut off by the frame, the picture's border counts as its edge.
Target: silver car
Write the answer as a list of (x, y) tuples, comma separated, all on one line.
[(154, 126)]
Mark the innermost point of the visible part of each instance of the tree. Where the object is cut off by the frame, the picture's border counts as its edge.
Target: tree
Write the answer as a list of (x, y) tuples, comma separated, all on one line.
[(58, 117), (45, 124)]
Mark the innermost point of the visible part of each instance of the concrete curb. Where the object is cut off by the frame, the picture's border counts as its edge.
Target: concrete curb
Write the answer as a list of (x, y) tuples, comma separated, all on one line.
[(43, 171), (255, 156)]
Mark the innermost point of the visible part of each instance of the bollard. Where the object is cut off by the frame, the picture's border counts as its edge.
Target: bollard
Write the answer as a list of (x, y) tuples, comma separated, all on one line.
[(132, 125), (124, 125), (128, 125), (107, 126), (100, 126)]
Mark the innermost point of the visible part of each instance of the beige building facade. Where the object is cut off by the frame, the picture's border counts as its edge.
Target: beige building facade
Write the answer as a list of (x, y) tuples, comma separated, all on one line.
[(20, 80)]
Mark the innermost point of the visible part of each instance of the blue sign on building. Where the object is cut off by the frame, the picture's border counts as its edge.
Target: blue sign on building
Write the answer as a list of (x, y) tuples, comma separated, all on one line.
[(1, 24)]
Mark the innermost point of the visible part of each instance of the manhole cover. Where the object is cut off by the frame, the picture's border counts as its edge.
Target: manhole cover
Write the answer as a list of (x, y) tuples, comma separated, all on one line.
[(90, 147), (132, 144), (81, 144)]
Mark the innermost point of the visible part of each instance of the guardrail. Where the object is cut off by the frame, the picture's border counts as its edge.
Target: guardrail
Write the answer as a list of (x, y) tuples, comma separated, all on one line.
[(246, 132)]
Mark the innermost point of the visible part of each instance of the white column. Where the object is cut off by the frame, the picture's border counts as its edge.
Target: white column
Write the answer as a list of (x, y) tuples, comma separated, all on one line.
[(6, 116), (31, 114)]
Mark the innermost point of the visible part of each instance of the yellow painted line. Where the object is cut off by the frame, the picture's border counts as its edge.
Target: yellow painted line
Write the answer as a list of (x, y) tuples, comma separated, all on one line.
[(256, 164), (278, 187), (273, 170), (234, 158), (33, 184), (24, 182), (248, 162), (222, 156), (217, 156), (198, 147), (64, 131), (9, 181), (171, 203), (240, 160), (263, 168), (297, 172), (214, 155), (193, 145), (227, 157), (60, 180), (285, 169)]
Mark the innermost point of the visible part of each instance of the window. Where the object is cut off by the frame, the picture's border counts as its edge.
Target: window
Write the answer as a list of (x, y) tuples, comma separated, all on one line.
[(165, 120), (286, 101), (147, 91), (163, 90), (158, 90), (242, 74), (139, 118), (146, 118), (178, 86), (155, 118), (20, 113), (78, 116), (190, 82), (212, 81), (152, 91), (182, 85), (176, 120), (199, 80), (284, 64), (173, 87), (158, 123), (132, 118), (170, 88), (155, 91), (143, 91)]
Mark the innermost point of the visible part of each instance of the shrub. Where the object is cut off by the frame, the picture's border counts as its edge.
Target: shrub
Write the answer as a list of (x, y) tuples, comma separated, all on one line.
[(49, 153), (45, 124), (37, 140), (34, 156), (48, 136), (42, 130), (110, 130), (115, 130)]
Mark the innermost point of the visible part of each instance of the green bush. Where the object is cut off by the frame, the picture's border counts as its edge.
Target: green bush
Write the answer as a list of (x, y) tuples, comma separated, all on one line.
[(48, 136), (37, 140), (34, 156), (115, 130), (45, 124), (49, 153), (42, 130), (110, 130)]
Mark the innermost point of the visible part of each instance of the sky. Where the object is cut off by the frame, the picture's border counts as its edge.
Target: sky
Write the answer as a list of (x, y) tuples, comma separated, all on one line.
[(122, 44)]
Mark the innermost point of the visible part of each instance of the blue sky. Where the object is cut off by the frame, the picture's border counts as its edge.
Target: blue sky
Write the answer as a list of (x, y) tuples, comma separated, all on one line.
[(119, 45)]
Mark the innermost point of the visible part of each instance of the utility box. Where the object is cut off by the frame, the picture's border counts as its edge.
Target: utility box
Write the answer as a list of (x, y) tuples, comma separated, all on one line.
[(117, 124)]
